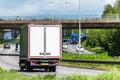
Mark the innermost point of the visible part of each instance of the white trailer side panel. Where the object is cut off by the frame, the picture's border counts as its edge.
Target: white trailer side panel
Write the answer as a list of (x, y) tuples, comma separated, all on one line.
[(37, 41)]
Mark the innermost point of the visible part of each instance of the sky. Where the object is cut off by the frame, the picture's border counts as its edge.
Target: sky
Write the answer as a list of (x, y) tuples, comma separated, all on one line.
[(52, 7), (94, 7)]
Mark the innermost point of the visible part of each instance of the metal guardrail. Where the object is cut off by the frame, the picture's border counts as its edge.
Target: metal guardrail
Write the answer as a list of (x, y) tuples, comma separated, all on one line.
[(92, 61), (61, 17), (78, 61), (9, 55)]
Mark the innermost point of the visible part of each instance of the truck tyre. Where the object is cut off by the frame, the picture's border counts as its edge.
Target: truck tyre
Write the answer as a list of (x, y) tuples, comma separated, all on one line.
[(27, 67), (49, 69), (21, 68), (54, 69), (46, 69)]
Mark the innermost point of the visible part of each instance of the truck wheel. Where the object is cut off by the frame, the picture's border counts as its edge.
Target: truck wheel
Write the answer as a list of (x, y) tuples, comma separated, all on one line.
[(46, 69), (54, 69), (27, 67), (21, 68), (50, 69)]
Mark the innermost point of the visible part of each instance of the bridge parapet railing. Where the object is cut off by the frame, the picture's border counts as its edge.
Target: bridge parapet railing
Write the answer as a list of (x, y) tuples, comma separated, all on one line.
[(101, 17), (61, 17), (90, 17), (109, 17), (40, 17)]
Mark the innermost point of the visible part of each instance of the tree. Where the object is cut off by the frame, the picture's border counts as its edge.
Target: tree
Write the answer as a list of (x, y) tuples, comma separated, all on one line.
[(93, 38), (109, 10), (109, 39), (117, 7)]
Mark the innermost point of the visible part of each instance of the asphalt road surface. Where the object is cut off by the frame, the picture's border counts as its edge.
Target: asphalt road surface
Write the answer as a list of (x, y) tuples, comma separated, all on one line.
[(11, 62), (72, 48)]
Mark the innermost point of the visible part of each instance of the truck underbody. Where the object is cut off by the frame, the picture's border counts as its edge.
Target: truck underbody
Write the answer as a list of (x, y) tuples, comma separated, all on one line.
[(30, 64)]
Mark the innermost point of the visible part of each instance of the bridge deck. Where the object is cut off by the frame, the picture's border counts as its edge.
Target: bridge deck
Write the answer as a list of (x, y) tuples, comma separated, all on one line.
[(67, 24)]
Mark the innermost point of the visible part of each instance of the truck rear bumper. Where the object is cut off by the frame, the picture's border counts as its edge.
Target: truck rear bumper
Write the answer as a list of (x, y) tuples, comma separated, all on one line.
[(30, 64), (43, 62), (39, 63)]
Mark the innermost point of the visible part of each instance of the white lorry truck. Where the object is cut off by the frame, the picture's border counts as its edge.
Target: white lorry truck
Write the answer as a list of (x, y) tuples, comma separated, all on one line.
[(40, 46)]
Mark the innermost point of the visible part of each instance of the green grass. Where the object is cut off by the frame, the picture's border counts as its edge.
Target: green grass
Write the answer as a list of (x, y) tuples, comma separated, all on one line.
[(95, 49), (10, 41), (14, 75), (108, 75), (111, 75), (102, 56), (90, 65)]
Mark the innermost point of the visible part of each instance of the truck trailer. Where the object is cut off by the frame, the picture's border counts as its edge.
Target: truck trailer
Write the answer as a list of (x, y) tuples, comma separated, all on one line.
[(40, 46)]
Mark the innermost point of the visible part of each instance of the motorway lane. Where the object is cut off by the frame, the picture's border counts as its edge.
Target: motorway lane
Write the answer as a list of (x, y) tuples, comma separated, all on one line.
[(11, 62), (72, 48), (65, 71), (62, 71)]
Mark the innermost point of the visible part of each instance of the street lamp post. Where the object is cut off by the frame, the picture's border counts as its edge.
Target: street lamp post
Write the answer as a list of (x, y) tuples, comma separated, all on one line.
[(52, 16), (48, 13), (79, 44), (59, 9)]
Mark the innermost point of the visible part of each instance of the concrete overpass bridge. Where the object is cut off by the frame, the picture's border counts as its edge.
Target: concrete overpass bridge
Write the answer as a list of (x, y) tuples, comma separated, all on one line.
[(15, 22)]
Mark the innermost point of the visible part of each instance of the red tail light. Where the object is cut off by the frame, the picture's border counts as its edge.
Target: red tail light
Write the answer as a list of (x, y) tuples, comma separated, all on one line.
[(55, 62), (33, 62)]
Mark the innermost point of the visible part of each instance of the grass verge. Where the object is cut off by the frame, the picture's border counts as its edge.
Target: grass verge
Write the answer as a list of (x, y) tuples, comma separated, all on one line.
[(14, 75), (102, 56), (90, 65)]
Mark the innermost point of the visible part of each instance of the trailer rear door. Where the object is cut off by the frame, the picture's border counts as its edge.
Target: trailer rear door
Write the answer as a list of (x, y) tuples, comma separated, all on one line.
[(45, 41)]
